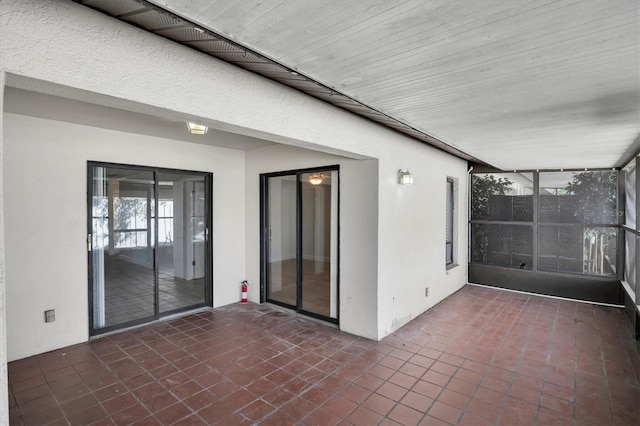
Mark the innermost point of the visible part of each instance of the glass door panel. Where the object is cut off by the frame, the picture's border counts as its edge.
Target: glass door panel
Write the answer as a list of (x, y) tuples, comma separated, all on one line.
[(319, 243), (123, 208), (181, 241), (282, 240), (301, 242)]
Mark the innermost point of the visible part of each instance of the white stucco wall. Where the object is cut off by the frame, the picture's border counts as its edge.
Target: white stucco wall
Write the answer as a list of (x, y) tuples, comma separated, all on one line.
[(4, 394), (63, 48), (45, 207), (412, 232), (358, 228)]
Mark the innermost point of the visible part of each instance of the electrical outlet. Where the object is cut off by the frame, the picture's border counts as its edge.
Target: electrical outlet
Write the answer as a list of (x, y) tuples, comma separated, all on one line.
[(426, 292), (50, 315)]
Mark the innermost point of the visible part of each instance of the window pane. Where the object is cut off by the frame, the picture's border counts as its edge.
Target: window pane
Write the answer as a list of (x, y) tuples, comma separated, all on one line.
[(578, 197), (502, 245), (449, 247), (449, 223), (577, 249), (502, 197)]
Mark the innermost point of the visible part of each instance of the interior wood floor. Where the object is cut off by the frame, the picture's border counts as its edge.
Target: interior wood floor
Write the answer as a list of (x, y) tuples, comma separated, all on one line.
[(316, 289)]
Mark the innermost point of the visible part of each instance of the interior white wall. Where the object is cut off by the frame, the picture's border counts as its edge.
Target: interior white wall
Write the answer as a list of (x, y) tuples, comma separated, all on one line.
[(358, 228), (46, 251)]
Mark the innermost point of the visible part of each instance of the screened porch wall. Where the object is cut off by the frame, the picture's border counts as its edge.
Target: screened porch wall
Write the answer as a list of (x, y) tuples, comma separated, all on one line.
[(550, 232)]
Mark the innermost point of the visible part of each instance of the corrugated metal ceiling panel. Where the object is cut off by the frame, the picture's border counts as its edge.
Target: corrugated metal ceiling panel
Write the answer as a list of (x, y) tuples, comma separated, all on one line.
[(152, 20), (115, 7)]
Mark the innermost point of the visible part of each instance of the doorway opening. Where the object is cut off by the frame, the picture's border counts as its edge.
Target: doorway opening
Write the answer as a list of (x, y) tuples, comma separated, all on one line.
[(299, 268), (148, 243)]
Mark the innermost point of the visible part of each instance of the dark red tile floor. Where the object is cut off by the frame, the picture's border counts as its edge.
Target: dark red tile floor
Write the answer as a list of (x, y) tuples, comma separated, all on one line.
[(482, 356)]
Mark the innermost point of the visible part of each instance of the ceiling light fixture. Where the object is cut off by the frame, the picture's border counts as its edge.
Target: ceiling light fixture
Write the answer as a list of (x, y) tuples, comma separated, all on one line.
[(405, 178), (196, 129), (316, 179)]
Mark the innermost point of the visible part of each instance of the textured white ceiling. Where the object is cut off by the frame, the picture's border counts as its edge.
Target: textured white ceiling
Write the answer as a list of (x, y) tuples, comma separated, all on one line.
[(519, 84)]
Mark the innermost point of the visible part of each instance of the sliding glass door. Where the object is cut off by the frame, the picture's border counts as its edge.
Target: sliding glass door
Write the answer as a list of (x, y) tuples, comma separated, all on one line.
[(300, 250), (148, 244)]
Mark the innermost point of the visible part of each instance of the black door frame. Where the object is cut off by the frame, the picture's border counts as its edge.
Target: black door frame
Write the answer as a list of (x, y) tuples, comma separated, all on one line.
[(264, 240), (208, 245)]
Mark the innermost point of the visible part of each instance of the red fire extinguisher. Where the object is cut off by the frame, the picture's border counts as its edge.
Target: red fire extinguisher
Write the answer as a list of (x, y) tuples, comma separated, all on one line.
[(244, 291)]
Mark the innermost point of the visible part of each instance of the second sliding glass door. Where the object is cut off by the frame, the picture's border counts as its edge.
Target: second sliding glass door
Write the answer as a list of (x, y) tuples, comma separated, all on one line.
[(300, 254)]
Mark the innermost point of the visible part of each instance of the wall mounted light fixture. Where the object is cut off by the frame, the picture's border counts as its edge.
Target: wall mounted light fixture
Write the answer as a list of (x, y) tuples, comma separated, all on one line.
[(316, 179), (405, 178), (196, 129)]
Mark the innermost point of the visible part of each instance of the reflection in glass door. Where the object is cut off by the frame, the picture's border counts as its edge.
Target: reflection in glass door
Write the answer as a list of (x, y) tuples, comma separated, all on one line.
[(282, 269), (181, 240), (319, 274), (301, 241), (122, 247), (148, 244)]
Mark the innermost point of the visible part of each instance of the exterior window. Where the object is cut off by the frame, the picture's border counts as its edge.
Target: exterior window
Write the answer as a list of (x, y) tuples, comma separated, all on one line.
[(450, 221)]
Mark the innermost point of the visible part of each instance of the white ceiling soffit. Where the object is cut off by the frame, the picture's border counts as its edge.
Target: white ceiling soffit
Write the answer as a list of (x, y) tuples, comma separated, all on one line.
[(40, 105), (517, 84)]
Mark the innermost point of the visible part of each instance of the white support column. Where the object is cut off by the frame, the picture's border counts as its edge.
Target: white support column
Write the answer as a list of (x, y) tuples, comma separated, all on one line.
[(113, 190), (180, 240)]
